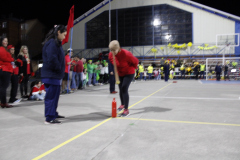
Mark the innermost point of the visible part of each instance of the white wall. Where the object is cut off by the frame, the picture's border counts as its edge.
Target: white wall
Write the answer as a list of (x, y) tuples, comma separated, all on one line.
[(205, 25)]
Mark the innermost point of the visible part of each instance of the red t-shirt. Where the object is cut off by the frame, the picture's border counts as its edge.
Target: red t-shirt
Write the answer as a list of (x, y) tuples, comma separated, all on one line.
[(67, 60), (79, 66), (125, 61), (74, 65)]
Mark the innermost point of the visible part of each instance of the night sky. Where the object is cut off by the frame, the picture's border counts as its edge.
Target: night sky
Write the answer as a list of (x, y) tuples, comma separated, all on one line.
[(57, 11)]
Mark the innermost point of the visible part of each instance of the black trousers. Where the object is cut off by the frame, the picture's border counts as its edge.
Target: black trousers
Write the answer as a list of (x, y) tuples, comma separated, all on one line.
[(183, 73), (4, 82), (125, 82), (226, 76), (101, 79), (166, 76), (196, 73), (105, 78), (218, 76), (24, 85), (112, 83), (14, 83)]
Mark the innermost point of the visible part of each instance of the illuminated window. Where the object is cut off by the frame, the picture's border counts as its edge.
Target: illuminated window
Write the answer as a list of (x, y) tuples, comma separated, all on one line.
[(4, 24), (139, 26)]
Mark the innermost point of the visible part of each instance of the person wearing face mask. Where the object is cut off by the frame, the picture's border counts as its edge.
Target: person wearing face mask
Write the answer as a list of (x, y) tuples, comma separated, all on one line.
[(25, 70), (126, 64), (53, 71), (6, 69)]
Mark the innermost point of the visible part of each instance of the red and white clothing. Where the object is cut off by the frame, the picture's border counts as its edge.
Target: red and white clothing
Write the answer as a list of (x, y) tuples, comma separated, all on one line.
[(36, 89), (125, 61)]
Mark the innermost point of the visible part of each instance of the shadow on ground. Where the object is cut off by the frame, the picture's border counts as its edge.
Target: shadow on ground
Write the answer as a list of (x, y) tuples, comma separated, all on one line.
[(150, 109)]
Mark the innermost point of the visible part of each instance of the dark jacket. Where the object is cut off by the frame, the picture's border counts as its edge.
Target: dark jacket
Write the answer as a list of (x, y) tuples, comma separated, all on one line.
[(53, 60), (110, 67), (218, 69), (23, 68), (196, 68), (166, 68)]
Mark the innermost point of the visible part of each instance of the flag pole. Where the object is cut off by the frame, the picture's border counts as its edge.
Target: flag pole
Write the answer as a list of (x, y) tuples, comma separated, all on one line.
[(70, 58), (109, 21)]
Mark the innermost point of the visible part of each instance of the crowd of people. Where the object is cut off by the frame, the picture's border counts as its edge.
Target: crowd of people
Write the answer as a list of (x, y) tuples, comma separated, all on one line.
[(14, 69), (63, 73), (171, 68)]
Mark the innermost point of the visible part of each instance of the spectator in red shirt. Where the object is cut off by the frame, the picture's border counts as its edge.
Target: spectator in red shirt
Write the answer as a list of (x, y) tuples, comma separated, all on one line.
[(65, 82), (5, 71), (25, 70), (79, 72), (126, 64), (73, 68)]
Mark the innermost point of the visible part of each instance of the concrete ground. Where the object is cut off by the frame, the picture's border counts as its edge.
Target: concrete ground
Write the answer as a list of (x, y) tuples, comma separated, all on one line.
[(187, 120)]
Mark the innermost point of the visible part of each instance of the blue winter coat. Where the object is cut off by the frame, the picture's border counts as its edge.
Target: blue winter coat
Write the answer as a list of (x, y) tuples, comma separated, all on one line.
[(53, 60)]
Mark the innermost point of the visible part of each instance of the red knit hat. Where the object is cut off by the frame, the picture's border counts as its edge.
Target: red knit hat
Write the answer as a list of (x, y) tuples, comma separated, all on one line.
[(10, 46)]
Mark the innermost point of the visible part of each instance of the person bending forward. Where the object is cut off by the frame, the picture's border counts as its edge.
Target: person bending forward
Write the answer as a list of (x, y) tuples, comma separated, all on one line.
[(126, 64)]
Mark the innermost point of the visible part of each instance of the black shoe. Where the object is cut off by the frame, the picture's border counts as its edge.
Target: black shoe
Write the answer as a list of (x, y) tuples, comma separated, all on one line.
[(60, 116), (53, 122)]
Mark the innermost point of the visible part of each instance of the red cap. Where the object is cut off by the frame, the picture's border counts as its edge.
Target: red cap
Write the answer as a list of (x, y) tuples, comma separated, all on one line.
[(10, 46)]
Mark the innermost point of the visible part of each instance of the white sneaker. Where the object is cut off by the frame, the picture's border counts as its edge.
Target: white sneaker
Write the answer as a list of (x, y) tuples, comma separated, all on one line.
[(17, 101)]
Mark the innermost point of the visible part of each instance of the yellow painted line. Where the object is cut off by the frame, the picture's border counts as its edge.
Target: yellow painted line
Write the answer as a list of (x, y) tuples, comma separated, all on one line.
[(146, 97), (158, 120), (66, 142)]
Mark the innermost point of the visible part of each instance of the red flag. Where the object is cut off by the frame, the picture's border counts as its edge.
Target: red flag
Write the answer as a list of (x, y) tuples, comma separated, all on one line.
[(69, 25)]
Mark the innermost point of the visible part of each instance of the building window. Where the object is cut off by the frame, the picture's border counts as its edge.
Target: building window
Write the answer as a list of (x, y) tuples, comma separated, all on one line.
[(4, 24), (24, 37), (140, 26), (24, 26)]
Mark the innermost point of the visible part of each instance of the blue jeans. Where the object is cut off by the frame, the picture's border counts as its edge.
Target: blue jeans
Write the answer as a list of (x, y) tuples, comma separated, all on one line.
[(90, 75), (37, 96), (141, 75), (145, 78), (159, 77), (149, 76), (79, 78), (94, 78), (73, 80)]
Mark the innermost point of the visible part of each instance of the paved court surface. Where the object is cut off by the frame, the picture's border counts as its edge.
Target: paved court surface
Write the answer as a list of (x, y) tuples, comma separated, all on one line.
[(169, 121)]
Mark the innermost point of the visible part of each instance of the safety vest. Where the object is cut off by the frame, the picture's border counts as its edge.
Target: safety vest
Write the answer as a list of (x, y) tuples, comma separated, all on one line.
[(150, 69), (141, 69), (202, 67), (182, 67)]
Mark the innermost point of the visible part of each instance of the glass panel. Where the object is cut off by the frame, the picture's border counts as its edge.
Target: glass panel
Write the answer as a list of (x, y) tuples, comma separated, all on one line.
[(135, 26)]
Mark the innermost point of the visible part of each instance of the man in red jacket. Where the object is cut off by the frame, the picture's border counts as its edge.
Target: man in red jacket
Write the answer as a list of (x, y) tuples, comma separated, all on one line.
[(126, 65)]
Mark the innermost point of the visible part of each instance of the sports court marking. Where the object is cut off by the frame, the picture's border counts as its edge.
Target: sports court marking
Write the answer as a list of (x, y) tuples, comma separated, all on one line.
[(160, 97), (81, 134), (158, 120)]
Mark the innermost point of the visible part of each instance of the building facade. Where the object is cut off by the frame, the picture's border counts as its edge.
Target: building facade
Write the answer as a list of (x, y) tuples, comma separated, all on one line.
[(141, 25)]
